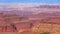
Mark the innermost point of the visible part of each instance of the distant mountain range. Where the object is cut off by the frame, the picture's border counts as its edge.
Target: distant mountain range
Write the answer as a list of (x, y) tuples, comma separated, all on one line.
[(31, 9)]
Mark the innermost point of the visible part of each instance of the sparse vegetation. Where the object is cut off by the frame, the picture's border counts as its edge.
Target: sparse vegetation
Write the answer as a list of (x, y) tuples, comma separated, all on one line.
[(45, 33)]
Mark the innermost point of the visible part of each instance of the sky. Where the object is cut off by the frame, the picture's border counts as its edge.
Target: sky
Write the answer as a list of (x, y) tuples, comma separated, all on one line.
[(31, 1)]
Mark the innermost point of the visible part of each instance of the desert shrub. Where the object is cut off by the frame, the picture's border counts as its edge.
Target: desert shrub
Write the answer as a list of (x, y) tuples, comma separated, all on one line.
[(45, 32)]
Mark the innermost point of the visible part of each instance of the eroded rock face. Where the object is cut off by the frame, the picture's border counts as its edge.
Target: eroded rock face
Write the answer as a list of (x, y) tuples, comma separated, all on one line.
[(50, 24), (17, 23), (8, 23)]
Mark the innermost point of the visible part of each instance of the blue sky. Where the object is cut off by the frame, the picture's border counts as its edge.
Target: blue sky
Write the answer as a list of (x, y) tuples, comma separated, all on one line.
[(31, 1)]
